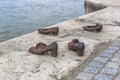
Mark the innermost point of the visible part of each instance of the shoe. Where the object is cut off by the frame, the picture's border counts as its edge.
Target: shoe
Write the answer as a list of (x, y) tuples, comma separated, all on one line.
[(77, 46), (40, 49), (98, 27), (49, 31), (53, 47), (37, 49), (70, 44)]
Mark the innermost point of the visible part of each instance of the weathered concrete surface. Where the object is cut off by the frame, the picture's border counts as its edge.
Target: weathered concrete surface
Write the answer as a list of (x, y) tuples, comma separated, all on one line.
[(91, 7), (108, 3), (107, 16), (17, 63), (94, 5)]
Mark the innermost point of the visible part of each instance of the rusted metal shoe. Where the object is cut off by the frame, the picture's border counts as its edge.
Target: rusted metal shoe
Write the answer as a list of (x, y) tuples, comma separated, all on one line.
[(70, 44), (53, 48), (97, 27), (49, 31), (40, 49), (77, 46)]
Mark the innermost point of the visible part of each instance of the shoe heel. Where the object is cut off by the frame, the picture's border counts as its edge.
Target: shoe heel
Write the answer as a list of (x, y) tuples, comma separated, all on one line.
[(54, 49), (98, 30), (55, 33), (54, 53), (80, 50)]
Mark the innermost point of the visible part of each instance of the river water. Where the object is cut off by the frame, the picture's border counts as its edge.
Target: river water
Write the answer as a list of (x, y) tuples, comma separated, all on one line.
[(18, 17)]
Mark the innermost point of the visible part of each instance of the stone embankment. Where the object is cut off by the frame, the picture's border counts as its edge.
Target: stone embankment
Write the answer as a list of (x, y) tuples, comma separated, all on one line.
[(17, 63), (106, 65)]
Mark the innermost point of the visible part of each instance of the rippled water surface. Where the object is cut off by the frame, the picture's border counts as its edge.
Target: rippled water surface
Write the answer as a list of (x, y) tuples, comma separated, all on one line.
[(18, 17)]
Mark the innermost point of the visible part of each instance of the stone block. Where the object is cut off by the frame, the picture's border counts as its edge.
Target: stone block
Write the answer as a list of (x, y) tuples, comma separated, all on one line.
[(108, 71), (117, 55), (113, 48), (106, 54), (85, 76), (96, 64), (101, 59), (110, 50), (92, 70), (112, 65), (102, 77), (116, 44)]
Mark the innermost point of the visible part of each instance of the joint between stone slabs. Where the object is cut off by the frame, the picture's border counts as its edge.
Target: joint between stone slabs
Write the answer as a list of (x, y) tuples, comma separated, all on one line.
[(107, 54), (102, 77), (110, 50)]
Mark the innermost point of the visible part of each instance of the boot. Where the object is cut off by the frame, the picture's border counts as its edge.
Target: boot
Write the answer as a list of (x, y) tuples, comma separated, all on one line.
[(49, 31), (70, 44), (77, 46), (97, 27)]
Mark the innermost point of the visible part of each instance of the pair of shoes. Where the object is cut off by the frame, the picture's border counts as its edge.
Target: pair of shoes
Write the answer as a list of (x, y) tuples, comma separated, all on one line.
[(41, 48), (49, 31), (97, 27), (55, 30), (77, 46)]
